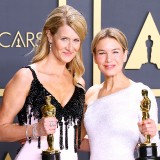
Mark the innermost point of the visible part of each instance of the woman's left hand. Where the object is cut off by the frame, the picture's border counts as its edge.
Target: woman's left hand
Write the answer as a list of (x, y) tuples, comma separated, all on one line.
[(148, 127)]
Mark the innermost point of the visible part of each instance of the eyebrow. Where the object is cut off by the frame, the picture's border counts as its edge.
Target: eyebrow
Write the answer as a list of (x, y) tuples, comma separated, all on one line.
[(116, 49), (102, 50)]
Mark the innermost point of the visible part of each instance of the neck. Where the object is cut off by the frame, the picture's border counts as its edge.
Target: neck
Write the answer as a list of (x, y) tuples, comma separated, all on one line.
[(51, 67), (112, 84)]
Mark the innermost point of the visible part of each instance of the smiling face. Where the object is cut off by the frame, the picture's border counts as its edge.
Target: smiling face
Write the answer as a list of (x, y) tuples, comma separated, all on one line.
[(65, 44), (110, 56)]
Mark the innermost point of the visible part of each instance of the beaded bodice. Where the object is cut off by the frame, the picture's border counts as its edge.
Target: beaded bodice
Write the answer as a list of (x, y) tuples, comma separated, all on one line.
[(71, 113)]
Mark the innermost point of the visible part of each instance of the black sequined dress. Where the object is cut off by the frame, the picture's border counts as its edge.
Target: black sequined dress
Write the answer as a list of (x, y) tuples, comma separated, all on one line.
[(68, 134)]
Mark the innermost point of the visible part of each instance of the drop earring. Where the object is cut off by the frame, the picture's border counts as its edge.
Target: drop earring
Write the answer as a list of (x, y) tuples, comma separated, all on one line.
[(50, 46)]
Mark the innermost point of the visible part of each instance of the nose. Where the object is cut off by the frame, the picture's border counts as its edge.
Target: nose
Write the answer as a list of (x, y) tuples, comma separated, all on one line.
[(109, 57), (70, 46)]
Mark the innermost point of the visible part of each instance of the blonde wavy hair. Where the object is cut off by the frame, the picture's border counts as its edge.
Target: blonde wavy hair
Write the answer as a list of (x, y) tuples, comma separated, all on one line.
[(63, 15)]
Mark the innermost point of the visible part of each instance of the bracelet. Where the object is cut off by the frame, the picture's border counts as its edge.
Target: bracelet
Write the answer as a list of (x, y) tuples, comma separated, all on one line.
[(34, 131), (27, 137)]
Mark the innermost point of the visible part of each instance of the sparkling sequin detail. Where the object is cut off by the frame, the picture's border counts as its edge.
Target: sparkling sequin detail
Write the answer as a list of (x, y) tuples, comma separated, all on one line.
[(71, 113)]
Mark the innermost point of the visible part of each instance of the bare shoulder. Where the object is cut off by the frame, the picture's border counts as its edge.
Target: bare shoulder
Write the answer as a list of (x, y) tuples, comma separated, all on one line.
[(22, 77), (81, 81), (93, 89), (92, 93), (15, 94), (25, 72)]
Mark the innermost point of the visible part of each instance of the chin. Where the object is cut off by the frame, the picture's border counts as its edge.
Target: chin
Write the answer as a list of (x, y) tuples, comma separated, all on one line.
[(109, 74)]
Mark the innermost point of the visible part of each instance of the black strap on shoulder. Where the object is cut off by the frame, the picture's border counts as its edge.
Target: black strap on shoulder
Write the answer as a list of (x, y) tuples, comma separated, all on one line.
[(33, 72), (81, 86)]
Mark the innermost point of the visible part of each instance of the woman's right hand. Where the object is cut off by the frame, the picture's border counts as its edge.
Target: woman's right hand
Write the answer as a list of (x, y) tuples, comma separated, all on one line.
[(46, 126), (147, 127)]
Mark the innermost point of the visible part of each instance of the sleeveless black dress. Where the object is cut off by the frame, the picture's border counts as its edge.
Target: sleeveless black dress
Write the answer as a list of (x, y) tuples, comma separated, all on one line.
[(71, 113)]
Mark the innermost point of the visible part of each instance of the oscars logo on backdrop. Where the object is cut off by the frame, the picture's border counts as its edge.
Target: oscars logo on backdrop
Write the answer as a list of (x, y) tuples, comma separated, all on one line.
[(147, 47), (18, 43), (149, 44), (146, 51), (18, 40)]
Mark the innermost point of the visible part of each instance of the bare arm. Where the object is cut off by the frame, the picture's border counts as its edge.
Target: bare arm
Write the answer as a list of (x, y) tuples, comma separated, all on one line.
[(84, 142), (13, 99)]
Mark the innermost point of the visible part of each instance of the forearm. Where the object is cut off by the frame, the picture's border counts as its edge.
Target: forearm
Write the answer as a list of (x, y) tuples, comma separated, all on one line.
[(14, 132)]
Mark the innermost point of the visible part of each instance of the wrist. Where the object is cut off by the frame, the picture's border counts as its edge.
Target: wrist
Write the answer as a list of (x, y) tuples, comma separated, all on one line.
[(28, 132), (34, 131), (31, 132)]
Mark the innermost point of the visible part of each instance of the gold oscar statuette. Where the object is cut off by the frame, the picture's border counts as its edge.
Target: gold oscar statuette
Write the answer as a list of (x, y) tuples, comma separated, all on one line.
[(49, 110), (147, 150)]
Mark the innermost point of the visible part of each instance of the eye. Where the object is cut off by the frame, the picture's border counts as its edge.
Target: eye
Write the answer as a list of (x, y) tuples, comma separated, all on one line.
[(64, 38), (115, 52), (101, 53), (76, 40)]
